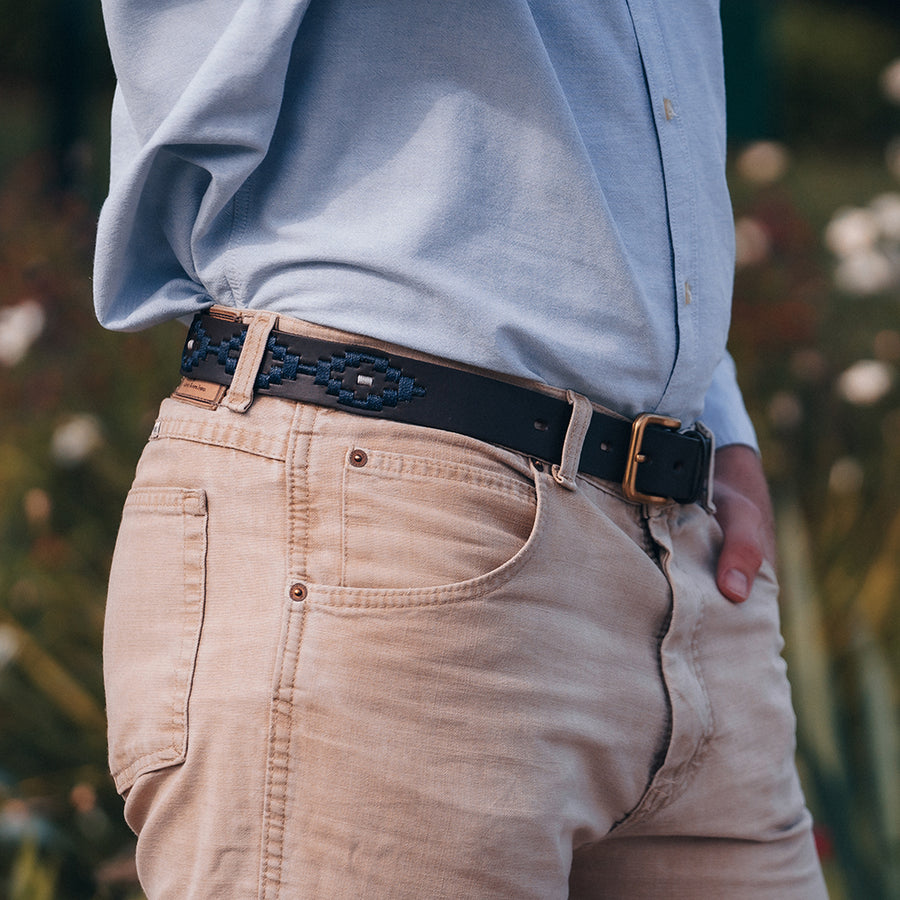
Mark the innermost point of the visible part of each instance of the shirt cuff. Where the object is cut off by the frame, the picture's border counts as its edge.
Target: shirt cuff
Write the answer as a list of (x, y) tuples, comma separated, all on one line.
[(724, 412)]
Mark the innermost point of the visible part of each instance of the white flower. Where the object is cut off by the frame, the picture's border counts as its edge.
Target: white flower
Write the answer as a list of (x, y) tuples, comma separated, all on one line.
[(865, 382), (886, 209), (852, 230), (890, 81), (865, 272), (76, 439), (20, 327)]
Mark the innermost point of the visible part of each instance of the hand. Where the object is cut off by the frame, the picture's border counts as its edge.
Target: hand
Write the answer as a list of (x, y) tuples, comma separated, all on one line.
[(744, 511)]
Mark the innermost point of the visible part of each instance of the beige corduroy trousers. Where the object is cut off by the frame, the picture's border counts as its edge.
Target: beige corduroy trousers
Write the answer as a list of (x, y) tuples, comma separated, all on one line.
[(347, 658)]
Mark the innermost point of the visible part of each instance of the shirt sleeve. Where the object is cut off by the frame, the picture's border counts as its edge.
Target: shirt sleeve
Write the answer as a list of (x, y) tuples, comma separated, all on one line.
[(199, 88), (724, 412)]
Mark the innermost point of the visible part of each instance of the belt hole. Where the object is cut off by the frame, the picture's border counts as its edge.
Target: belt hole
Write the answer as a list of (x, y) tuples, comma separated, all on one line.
[(298, 591), (358, 458), (540, 425)]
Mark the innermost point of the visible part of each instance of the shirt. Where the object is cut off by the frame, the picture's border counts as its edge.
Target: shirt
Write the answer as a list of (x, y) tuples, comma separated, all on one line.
[(530, 186)]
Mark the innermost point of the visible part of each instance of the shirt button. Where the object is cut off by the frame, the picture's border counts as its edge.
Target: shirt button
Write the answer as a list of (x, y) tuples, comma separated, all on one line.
[(688, 296), (669, 108)]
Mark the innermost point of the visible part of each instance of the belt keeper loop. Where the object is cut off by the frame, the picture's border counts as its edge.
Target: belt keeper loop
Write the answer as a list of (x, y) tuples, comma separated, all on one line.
[(240, 393), (582, 411), (707, 496)]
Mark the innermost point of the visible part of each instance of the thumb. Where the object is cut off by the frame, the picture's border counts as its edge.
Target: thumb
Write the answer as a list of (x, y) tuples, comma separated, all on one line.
[(742, 546), (743, 514)]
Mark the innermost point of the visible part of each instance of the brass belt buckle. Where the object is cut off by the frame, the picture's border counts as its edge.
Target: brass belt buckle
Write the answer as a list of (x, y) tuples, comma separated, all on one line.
[(636, 456)]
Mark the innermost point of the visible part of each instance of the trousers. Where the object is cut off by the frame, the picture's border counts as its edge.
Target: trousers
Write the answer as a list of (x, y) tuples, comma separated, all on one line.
[(346, 657)]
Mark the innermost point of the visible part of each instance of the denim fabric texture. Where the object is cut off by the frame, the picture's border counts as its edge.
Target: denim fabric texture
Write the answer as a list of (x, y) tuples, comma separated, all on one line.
[(353, 658)]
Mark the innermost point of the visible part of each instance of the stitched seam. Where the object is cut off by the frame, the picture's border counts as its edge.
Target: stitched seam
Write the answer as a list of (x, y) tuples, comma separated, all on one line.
[(390, 465), (703, 743), (157, 500), (278, 768), (193, 532), (419, 598), (668, 791), (520, 491), (297, 486), (282, 710), (345, 525), (159, 757), (179, 701), (222, 435), (307, 538)]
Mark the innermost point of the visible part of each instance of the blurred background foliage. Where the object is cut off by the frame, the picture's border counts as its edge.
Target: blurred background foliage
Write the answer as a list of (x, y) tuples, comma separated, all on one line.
[(814, 118)]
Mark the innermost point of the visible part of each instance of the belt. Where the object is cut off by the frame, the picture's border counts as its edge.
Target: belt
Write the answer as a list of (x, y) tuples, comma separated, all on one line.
[(650, 457)]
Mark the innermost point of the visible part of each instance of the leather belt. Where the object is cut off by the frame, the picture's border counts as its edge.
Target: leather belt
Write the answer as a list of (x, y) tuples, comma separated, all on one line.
[(649, 457)]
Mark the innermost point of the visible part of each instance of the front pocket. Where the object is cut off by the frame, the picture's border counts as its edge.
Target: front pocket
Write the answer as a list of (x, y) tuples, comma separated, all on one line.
[(414, 522), (154, 614)]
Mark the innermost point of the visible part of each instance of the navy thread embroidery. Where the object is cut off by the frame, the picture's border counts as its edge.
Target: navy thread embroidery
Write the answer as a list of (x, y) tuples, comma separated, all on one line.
[(200, 345), (392, 388), (390, 385)]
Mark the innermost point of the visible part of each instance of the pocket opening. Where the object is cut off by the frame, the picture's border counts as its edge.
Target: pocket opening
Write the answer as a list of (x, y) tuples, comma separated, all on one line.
[(154, 618)]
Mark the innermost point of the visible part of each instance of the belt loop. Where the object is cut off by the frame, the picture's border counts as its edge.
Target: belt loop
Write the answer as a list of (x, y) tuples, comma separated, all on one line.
[(582, 411), (240, 393)]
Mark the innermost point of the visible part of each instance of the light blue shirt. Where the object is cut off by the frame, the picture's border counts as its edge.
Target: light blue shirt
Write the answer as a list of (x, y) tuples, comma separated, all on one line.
[(531, 186)]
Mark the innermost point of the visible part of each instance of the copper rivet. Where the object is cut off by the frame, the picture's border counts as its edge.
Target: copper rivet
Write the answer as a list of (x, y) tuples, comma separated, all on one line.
[(538, 465), (540, 425), (298, 591), (358, 458)]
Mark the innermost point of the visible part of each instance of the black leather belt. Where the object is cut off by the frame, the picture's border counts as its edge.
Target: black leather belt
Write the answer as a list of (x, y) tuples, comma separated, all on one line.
[(649, 457)]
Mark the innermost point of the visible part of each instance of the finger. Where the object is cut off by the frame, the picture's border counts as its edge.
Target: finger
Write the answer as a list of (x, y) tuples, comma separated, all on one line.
[(742, 550)]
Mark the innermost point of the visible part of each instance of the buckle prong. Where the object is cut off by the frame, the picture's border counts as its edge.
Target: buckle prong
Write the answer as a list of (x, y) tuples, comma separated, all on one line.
[(636, 456)]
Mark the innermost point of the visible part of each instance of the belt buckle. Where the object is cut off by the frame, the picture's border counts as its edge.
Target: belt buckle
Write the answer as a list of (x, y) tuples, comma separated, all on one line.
[(636, 456)]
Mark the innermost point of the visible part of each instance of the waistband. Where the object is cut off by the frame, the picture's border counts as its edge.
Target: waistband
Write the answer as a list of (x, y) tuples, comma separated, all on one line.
[(651, 457)]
